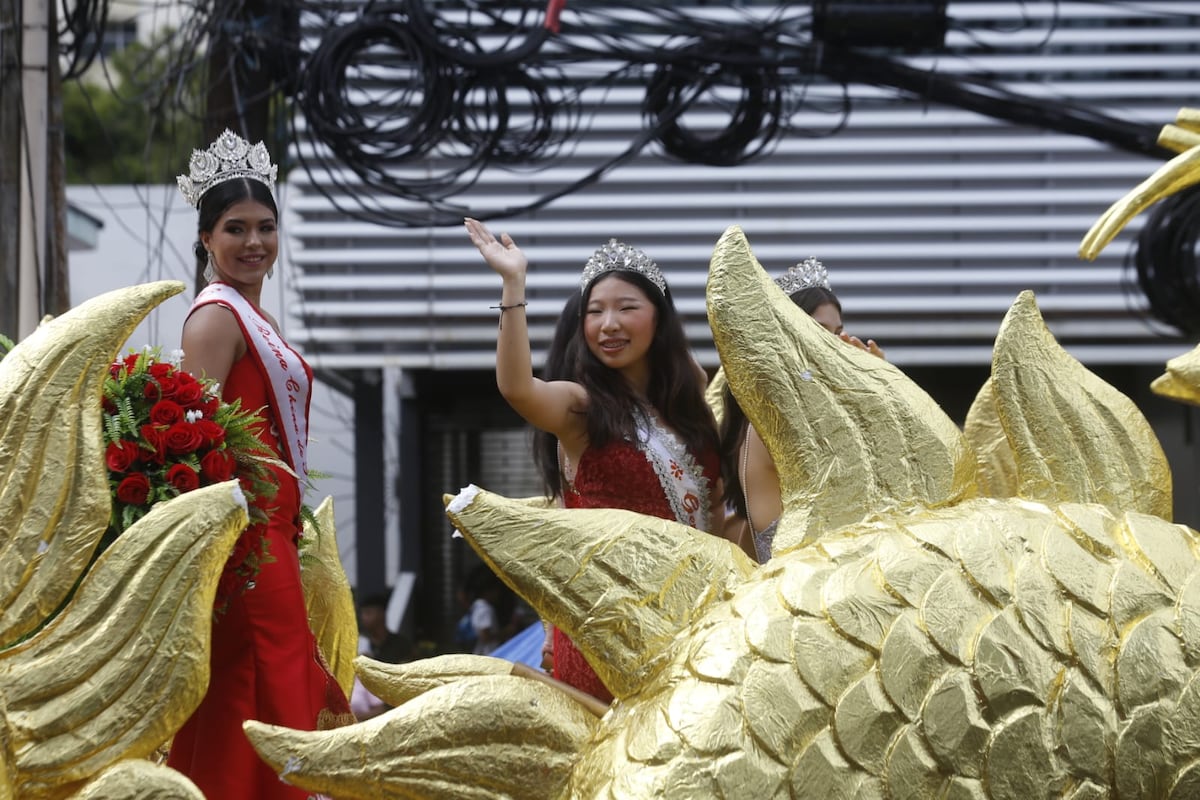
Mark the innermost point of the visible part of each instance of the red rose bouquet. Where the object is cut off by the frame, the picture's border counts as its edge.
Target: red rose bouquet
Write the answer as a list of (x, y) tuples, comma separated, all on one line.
[(167, 432)]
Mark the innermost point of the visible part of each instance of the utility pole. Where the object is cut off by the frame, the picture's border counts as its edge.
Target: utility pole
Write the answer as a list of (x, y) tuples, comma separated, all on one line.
[(10, 161), (56, 293), (35, 92)]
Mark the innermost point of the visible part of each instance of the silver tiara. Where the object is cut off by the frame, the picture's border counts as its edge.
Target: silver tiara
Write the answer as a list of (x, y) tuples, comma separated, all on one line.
[(805, 275), (619, 256), (229, 157)]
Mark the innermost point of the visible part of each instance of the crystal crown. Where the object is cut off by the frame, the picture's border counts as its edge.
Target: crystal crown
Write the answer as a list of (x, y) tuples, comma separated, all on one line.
[(618, 256), (805, 275), (229, 157)]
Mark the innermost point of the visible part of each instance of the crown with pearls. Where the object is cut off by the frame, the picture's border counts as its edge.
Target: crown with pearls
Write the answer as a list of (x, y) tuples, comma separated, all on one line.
[(807, 274), (618, 256), (228, 158)]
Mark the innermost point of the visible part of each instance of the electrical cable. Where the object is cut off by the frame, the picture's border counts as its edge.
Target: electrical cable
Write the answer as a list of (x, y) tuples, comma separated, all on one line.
[(1166, 263)]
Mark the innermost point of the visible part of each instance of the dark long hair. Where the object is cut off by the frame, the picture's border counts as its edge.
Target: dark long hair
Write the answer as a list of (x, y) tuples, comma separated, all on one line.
[(733, 421), (675, 390), (217, 200)]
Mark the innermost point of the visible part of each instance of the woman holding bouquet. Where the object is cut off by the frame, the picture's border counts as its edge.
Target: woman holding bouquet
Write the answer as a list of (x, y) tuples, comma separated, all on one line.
[(265, 661)]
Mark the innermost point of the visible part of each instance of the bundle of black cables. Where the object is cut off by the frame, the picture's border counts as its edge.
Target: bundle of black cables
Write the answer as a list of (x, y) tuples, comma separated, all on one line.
[(1166, 261)]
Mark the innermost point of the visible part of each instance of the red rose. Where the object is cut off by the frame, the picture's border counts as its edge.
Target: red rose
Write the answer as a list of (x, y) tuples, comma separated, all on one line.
[(218, 465), (209, 406), (187, 394), (214, 434), (134, 489), (182, 437), (121, 455), (154, 444), (168, 386), (155, 436), (160, 369), (166, 412), (183, 478), (110, 407), (131, 361)]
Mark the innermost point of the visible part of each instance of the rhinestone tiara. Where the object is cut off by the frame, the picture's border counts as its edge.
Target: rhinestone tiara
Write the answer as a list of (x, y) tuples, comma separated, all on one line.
[(618, 256), (807, 274), (228, 158)]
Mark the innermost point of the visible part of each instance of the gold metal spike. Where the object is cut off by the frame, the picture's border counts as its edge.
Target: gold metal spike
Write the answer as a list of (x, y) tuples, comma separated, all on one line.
[(139, 780), (329, 599), (1076, 439), (54, 496), (126, 662), (997, 475), (1179, 173), (563, 562), (396, 684), (1181, 380), (471, 739), (850, 434)]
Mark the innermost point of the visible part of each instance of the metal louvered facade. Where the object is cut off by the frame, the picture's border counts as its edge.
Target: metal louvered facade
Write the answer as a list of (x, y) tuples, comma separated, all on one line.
[(931, 219)]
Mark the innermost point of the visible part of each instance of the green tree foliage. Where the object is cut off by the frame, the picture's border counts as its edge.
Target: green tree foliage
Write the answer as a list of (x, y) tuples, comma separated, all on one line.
[(136, 123)]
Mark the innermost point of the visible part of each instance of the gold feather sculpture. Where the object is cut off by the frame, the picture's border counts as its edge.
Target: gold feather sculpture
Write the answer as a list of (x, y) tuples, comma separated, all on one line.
[(328, 597), (912, 636), (91, 688)]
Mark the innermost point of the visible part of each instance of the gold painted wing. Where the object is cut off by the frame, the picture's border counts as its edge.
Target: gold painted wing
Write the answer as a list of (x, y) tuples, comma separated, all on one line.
[(54, 496), (329, 599), (477, 738), (997, 474), (139, 780), (849, 433), (1181, 381), (622, 591), (1075, 438), (124, 665)]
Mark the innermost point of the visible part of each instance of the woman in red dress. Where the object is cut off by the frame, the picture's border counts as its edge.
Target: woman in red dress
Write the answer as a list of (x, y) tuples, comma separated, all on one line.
[(265, 661), (621, 419)]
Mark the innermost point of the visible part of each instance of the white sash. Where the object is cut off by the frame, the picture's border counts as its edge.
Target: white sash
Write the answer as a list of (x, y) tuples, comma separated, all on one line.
[(283, 368), (681, 476)]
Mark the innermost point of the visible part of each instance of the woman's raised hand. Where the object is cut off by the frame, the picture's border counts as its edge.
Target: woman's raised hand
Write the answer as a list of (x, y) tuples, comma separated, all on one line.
[(869, 345), (502, 254)]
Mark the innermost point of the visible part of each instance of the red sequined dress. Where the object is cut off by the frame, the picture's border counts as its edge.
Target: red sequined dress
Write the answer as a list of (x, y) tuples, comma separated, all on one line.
[(621, 475), (265, 662)]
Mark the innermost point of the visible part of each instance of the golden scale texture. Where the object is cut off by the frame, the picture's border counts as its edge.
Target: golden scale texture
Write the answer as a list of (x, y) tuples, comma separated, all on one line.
[(116, 672), (912, 637)]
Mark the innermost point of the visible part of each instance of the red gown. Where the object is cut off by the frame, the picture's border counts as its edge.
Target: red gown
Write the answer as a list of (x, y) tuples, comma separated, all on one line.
[(617, 475), (265, 662)]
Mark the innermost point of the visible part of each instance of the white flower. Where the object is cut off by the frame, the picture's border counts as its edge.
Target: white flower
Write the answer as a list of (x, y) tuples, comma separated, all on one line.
[(175, 357)]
